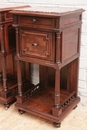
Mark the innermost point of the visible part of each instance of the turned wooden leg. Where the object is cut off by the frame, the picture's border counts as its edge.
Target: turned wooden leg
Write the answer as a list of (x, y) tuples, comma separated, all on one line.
[(3, 58), (4, 74), (57, 89), (19, 78), (57, 109)]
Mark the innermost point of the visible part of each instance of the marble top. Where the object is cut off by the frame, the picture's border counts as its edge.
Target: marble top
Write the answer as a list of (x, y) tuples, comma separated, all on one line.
[(47, 9), (8, 6)]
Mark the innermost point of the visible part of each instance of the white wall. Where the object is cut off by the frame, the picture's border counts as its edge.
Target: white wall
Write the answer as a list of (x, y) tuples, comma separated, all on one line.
[(83, 56)]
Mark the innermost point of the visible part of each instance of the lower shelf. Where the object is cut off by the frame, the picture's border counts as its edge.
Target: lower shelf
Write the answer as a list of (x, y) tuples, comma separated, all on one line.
[(7, 97), (42, 102)]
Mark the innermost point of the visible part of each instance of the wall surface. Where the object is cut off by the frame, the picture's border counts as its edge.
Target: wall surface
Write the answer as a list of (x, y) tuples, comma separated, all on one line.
[(83, 56)]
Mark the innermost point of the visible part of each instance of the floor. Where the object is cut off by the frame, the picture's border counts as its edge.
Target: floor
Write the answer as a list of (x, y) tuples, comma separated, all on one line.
[(11, 120)]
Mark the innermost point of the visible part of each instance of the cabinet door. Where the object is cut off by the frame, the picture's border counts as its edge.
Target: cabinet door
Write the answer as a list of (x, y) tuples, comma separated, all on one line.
[(36, 44)]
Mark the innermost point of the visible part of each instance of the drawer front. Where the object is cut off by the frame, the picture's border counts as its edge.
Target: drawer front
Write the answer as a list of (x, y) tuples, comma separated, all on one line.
[(36, 21), (36, 44)]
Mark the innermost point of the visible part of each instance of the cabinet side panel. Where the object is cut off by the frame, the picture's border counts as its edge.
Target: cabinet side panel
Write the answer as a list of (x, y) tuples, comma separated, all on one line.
[(70, 42), (10, 38), (0, 40)]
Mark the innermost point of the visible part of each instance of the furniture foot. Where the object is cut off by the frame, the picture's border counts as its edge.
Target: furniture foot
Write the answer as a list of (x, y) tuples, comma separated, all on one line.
[(58, 125), (20, 112), (7, 106), (75, 107)]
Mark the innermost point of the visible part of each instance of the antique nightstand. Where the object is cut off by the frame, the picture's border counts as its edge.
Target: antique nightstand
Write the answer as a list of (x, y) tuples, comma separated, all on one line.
[(8, 76), (49, 37)]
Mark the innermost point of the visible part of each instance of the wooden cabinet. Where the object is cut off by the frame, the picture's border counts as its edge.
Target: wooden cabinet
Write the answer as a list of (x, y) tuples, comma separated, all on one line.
[(49, 37), (8, 69)]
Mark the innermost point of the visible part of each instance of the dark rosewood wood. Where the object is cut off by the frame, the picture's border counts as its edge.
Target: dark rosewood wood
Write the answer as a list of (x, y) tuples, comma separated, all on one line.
[(49, 37), (8, 71)]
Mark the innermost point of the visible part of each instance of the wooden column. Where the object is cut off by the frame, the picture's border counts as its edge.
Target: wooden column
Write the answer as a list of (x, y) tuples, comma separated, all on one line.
[(57, 89), (18, 65), (3, 51), (19, 78), (0, 70), (56, 111)]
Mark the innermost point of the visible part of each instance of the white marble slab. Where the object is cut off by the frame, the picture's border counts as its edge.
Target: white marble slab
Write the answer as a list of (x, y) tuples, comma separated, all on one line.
[(47, 9), (11, 5)]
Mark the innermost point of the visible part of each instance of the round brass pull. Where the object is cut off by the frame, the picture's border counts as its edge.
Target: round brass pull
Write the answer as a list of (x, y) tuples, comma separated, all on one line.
[(34, 20), (34, 44)]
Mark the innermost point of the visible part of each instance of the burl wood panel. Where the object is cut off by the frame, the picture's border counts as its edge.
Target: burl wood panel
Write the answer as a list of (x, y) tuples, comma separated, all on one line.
[(36, 44)]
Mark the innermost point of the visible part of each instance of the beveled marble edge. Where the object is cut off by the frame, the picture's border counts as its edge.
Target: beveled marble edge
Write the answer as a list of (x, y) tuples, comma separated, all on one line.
[(8, 6), (47, 9)]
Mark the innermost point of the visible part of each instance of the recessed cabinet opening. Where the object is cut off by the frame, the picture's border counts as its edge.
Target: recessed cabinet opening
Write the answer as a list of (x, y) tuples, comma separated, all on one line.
[(39, 87), (48, 75), (11, 37)]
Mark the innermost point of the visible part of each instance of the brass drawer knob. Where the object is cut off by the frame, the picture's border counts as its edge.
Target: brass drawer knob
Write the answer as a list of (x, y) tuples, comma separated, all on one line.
[(34, 44), (34, 20)]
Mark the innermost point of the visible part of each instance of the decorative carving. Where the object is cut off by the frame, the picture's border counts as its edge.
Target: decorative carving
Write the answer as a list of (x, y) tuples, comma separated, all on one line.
[(36, 44), (68, 101), (32, 91)]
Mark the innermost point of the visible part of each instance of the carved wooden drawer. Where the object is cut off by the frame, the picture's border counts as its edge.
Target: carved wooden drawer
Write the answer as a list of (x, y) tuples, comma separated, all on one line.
[(36, 21), (36, 44)]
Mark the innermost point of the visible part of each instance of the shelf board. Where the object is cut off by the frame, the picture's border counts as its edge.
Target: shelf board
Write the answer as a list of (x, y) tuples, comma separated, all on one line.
[(43, 100), (43, 109)]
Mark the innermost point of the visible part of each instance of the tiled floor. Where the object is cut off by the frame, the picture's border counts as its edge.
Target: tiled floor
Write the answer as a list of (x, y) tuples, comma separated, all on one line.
[(11, 120)]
